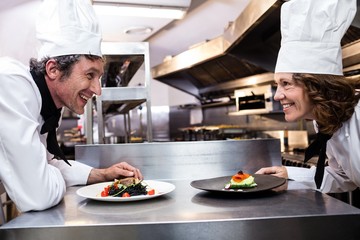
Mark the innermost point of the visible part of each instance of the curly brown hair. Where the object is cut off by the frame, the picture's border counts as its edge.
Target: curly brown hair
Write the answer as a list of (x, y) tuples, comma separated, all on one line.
[(334, 98)]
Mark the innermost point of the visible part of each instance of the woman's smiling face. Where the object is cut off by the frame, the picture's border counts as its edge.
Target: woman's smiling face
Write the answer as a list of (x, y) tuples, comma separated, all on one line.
[(293, 98)]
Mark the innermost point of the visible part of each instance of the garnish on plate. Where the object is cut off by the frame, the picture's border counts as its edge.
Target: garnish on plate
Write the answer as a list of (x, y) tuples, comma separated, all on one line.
[(241, 180), (127, 187)]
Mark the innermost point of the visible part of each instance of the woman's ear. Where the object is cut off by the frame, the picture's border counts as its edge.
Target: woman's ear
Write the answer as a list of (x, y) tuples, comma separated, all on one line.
[(51, 69)]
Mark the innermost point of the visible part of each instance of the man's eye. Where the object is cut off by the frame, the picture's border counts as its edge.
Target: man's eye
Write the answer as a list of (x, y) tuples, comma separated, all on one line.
[(90, 76)]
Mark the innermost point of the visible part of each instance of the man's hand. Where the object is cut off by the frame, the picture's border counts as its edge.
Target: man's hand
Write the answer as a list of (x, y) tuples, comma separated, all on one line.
[(116, 171)]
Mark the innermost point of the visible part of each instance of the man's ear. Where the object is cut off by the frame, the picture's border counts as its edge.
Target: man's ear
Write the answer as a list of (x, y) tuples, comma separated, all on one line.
[(51, 69)]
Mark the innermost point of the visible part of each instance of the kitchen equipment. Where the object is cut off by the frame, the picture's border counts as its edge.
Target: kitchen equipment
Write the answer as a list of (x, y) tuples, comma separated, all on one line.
[(256, 100)]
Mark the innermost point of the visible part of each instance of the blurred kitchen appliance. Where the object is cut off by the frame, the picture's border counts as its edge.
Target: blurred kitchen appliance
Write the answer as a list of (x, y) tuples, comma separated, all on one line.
[(256, 100), (290, 140)]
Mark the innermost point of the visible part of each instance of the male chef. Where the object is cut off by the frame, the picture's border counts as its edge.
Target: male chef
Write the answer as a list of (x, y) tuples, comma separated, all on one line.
[(66, 73)]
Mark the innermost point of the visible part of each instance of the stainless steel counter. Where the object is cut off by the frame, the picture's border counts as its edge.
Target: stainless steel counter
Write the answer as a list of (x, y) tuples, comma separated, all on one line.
[(188, 213)]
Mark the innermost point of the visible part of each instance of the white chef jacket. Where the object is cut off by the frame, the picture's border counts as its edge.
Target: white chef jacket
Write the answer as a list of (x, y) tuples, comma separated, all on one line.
[(32, 179), (343, 152)]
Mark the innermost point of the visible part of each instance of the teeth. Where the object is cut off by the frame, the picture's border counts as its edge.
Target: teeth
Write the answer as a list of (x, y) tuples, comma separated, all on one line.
[(84, 97), (287, 105)]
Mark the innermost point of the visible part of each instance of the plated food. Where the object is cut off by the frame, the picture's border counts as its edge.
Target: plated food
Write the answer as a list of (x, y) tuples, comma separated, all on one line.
[(94, 191), (241, 180), (217, 184), (127, 187)]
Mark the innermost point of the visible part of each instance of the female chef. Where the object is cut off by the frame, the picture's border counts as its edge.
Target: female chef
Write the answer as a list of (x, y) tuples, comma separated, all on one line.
[(66, 74), (310, 86)]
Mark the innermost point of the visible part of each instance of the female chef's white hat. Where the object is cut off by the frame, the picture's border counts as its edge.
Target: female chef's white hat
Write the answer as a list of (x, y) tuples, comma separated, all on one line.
[(311, 35), (66, 27)]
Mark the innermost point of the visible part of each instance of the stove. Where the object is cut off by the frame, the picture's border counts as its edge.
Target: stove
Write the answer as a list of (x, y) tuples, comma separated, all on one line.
[(296, 158)]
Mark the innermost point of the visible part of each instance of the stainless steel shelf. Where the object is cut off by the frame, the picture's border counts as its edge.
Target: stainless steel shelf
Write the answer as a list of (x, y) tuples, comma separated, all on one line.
[(125, 98), (122, 99)]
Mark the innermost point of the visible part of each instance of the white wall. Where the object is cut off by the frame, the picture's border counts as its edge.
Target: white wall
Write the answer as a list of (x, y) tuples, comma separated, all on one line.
[(17, 31), (175, 97)]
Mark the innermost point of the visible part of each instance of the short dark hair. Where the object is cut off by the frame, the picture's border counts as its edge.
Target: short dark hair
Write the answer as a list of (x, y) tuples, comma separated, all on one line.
[(64, 63)]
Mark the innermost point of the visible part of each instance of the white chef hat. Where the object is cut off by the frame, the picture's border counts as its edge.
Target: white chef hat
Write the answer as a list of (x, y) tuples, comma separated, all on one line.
[(66, 27), (311, 35)]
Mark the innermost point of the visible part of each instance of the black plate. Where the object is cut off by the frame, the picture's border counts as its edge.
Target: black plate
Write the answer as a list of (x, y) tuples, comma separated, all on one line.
[(264, 182)]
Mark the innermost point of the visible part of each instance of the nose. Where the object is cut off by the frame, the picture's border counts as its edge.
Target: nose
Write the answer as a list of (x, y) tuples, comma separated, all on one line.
[(96, 87), (279, 95)]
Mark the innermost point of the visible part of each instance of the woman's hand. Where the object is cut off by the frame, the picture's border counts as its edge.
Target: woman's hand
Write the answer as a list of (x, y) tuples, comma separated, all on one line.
[(278, 171), (116, 171)]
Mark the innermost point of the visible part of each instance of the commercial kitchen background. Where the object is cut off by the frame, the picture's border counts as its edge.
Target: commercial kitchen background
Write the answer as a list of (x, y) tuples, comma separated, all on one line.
[(176, 115)]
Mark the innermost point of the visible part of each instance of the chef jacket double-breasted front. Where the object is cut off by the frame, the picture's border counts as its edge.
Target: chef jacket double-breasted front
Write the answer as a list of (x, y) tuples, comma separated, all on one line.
[(32, 179)]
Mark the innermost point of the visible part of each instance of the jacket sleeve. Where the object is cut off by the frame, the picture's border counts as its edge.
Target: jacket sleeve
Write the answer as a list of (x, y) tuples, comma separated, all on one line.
[(303, 175), (76, 174), (30, 181)]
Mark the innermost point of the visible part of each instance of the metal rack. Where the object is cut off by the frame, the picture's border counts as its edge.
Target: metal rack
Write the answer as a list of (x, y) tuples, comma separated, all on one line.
[(123, 98)]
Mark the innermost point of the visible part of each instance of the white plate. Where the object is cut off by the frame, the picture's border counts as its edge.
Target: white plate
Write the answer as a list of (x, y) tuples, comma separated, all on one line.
[(93, 191)]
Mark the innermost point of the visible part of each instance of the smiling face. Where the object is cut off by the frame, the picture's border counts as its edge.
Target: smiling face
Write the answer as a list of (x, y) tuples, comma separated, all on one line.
[(75, 90), (292, 96)]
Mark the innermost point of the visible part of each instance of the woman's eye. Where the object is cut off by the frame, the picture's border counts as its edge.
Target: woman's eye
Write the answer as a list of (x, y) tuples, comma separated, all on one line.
[(285, 83)]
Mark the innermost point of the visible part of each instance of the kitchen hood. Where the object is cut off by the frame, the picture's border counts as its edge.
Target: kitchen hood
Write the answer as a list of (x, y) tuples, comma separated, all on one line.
[(244, 55)]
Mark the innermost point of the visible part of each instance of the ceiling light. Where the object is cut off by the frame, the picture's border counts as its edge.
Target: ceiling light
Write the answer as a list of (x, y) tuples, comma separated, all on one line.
[(139, 10), (138, 30)]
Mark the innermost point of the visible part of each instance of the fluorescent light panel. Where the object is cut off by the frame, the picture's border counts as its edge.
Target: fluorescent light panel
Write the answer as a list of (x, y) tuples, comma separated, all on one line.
[(139, 11)]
